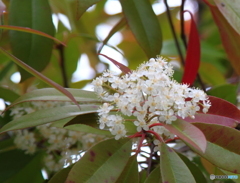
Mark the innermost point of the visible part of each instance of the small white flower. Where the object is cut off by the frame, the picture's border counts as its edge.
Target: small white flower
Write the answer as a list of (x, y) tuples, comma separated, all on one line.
[(119, 131), (141, 125), (157, 144), (206, 106), (103, 120), (106, 107)]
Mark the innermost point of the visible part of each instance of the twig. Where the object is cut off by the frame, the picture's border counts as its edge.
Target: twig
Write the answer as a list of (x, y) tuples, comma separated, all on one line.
[(174, 33), (150, 159), (183, 36), (62, 65)]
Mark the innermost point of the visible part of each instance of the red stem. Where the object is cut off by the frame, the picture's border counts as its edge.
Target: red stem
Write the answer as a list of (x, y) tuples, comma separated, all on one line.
[(169, 140), (156, 135), (141, 142), (138, 134), (155, 124)]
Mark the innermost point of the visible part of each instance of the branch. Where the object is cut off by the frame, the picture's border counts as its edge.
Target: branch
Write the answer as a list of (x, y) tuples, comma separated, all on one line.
[(174, 33), (60, 49)]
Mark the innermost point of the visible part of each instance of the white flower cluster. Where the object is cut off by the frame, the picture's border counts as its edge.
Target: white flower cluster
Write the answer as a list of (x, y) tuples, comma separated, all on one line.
[(63, 146), (150, 95)]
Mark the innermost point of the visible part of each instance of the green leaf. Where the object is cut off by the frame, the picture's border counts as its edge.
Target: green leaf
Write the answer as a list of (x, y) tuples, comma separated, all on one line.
[(130, 127), (88, 129), (5, 70), (81, 127), (102, 163), (230, 173), (144, 25), (80, 84), (209, 51), (130, 172), (173, 169), (155, 176), (5, 118), (89, 123), (32, 49), (6, 145), (230, 10), (8, 95), (227, 92), (143, 175), (40, 76), (51, 94), (213, 76), (83, 5), (88, 119), (60, 176), (72, 54), (196, 172), (169, 48), (46, 116), (12, 162), (223, 148), (30, 173), (188, 133)]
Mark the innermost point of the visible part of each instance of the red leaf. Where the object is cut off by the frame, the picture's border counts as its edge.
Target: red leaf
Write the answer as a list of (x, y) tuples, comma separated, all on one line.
[(193, 55), (230, 38), (29, 30), (122, 67), (40, 76), (221, 112), (188, 133), (213, 119), (224, 108), (223, 148), (221, 135)]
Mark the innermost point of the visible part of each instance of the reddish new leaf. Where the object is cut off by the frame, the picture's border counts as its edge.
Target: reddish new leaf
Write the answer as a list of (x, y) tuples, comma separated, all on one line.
[(224, 108), (29, 30), (40, 76), (193, 55), (188, 133), (230, 38), (221, 112), (222, 136), (213, 119), (122, 67)]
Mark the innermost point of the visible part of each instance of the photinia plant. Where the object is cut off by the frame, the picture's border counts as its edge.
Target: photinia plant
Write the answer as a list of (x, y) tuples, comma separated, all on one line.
[(145, 107), (140, 126)]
